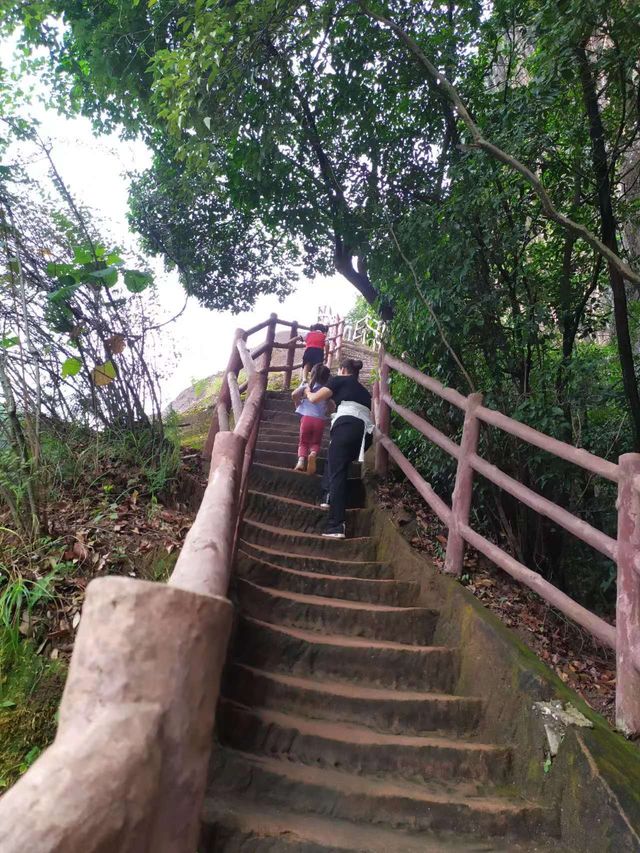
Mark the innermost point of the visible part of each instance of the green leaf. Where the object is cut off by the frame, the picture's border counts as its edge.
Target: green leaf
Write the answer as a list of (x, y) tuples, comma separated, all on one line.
[(8, 342), (55, 270), (82, 255), (136, 281), (71, 367), (31, 756), (108, 277), (7, 703)]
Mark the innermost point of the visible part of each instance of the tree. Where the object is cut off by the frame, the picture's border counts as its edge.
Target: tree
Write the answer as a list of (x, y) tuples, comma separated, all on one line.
[(225, 257), (74, 326), (276, 106)]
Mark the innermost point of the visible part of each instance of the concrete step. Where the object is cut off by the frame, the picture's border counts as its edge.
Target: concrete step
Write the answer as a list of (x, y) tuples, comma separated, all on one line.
[(289, 483), (310, 544), (432, 669), (275, 418), (374, 590), (301, 516), (322, 565), (411, 625), (235, 826), (279, 404), (391, 711), (279, 445), (289, 459), (378, 803), (357, 749)]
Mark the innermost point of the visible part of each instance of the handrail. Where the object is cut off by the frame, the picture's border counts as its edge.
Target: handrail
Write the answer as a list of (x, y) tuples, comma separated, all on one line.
[(625, 550), (245, 355), (236, 402), (145, 673)]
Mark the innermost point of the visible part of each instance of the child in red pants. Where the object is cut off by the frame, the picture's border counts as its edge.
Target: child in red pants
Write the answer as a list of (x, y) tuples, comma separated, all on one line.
[(314, 417)]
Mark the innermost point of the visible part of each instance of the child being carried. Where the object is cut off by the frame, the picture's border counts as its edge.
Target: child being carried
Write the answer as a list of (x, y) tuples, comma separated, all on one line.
[(314, 417)]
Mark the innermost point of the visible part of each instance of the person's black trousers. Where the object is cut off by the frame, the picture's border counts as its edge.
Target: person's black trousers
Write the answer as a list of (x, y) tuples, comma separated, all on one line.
[(344, 448)]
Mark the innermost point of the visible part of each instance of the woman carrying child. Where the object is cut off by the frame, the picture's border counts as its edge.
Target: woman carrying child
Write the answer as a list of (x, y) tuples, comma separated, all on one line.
[(313, 420), (351, 434)]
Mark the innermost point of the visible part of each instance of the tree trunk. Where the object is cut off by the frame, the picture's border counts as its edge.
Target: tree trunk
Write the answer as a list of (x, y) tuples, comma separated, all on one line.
[(609, 238), (343, 262)]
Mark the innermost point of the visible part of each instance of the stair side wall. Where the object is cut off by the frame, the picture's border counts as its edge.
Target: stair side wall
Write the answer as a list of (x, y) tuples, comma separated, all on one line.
[(594, 781)]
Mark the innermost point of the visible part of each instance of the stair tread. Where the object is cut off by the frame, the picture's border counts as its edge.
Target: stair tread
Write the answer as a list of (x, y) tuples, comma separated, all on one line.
[(286, 570), (280, 468), (295, 501), (362, 691), (321, 559), (346, 640), (343, 782), (299, 830), (353, 733), (337, 603), (283, 531)]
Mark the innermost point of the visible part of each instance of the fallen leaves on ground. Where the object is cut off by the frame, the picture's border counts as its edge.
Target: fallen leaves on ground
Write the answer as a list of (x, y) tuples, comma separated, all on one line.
[(106, 527)]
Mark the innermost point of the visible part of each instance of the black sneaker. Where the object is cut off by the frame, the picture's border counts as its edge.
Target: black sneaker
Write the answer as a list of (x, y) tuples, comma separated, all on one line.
[(335, 532), (324, 503)]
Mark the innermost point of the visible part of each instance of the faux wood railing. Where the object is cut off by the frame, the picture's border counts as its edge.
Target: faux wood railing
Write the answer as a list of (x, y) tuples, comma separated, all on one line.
[(366, 331), (624, 638), (128, 766)]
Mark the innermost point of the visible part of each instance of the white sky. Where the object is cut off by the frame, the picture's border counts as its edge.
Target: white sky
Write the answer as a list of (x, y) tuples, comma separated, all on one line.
[(95, 170)]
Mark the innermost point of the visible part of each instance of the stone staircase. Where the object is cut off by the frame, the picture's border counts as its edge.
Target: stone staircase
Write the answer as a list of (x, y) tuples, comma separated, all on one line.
[(339, 728), (367, 356)]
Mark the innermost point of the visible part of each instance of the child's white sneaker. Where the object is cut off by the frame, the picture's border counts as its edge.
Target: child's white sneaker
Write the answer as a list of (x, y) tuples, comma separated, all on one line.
[(302, 464)]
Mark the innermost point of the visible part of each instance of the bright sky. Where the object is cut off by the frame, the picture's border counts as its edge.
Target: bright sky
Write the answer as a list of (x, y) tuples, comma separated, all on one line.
[(95, 170)]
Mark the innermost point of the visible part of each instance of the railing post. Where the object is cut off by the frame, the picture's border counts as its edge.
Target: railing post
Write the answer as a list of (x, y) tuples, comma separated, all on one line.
[(290, 357), (382, 416), (265, 358), (339, 336), (328, 349), (220, 421), (463, 490), (628, 599)]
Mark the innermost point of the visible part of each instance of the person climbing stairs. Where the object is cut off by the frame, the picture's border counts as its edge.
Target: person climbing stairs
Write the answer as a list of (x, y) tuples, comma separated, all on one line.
[(338, 726)]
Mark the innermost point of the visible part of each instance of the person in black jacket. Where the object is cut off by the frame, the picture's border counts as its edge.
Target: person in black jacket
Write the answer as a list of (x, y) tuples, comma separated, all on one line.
[(350, 436)]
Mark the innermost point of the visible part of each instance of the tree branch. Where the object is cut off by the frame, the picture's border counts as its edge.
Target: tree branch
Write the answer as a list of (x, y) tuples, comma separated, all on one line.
[(443, 86)]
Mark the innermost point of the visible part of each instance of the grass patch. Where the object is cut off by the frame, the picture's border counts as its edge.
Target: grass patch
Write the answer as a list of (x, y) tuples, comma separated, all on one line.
[(30, 692)]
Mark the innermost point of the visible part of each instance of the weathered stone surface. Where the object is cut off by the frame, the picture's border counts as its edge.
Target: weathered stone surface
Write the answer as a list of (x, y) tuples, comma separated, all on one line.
[(349, 588), (393, 711), (138, 707), (594, 781), (556, 719), (94, 790), (412, 625), (383, 663), (373, 801)]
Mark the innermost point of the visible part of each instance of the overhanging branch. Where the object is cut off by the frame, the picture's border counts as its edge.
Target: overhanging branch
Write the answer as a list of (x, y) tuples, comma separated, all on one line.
[(442, 85)]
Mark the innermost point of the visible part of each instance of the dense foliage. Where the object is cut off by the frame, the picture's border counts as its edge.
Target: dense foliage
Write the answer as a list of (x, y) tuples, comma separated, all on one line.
[(75, 325), (290, 132)]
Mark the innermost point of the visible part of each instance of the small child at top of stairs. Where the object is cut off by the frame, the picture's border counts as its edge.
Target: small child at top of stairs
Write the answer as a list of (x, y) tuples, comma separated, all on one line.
[(314, 352), (313, 419)]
